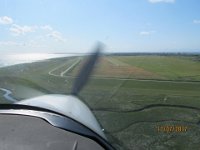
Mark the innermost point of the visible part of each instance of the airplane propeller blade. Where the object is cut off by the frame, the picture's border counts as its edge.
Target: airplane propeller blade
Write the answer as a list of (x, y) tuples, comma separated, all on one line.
[(86, 70)]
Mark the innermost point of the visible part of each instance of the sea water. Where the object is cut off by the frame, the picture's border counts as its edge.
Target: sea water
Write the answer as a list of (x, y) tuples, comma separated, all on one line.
[(13, 59)]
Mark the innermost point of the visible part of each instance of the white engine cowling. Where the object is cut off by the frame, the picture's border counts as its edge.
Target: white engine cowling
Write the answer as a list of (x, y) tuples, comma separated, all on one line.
[(67, 105)]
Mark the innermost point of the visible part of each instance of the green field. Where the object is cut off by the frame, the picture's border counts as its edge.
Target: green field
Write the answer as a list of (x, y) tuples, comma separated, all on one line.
[(130, 96)]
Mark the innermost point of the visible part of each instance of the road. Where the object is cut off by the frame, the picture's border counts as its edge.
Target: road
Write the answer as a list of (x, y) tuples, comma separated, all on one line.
[(65, 71)]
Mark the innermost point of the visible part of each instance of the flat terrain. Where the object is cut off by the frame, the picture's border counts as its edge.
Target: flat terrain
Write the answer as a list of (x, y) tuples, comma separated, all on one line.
[(131, 96)]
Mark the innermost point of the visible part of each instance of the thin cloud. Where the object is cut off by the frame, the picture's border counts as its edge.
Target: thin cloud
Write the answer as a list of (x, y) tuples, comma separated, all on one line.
[(196, 21), (21, 30), (6, 20), (31, 43), (46, 27), (56, 36), (18, 30), (161, 1), (147, 33), (9, 43)]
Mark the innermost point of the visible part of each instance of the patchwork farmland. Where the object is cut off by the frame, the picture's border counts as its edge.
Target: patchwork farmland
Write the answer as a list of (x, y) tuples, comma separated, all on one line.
[(131, 96)]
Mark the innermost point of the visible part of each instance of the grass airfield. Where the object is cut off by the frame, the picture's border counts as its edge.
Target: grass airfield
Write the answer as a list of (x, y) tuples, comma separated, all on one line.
[(130, 95)]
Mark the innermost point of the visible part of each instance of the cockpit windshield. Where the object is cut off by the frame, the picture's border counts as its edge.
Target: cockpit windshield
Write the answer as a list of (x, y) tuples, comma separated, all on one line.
[(144, 89)]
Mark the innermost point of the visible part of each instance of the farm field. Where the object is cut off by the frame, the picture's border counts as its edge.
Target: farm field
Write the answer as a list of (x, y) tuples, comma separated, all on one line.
[(131, 96)]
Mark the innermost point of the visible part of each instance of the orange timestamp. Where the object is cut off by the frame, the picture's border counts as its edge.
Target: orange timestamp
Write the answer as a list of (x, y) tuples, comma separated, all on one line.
[(172, 128)]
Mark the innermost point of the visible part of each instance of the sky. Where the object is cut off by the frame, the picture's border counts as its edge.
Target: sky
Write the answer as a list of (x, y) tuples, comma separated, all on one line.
[(74, 26)]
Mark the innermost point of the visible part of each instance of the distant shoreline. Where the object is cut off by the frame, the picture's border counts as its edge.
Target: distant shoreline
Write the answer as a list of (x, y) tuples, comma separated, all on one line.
[(155, 53), (6, 62)]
